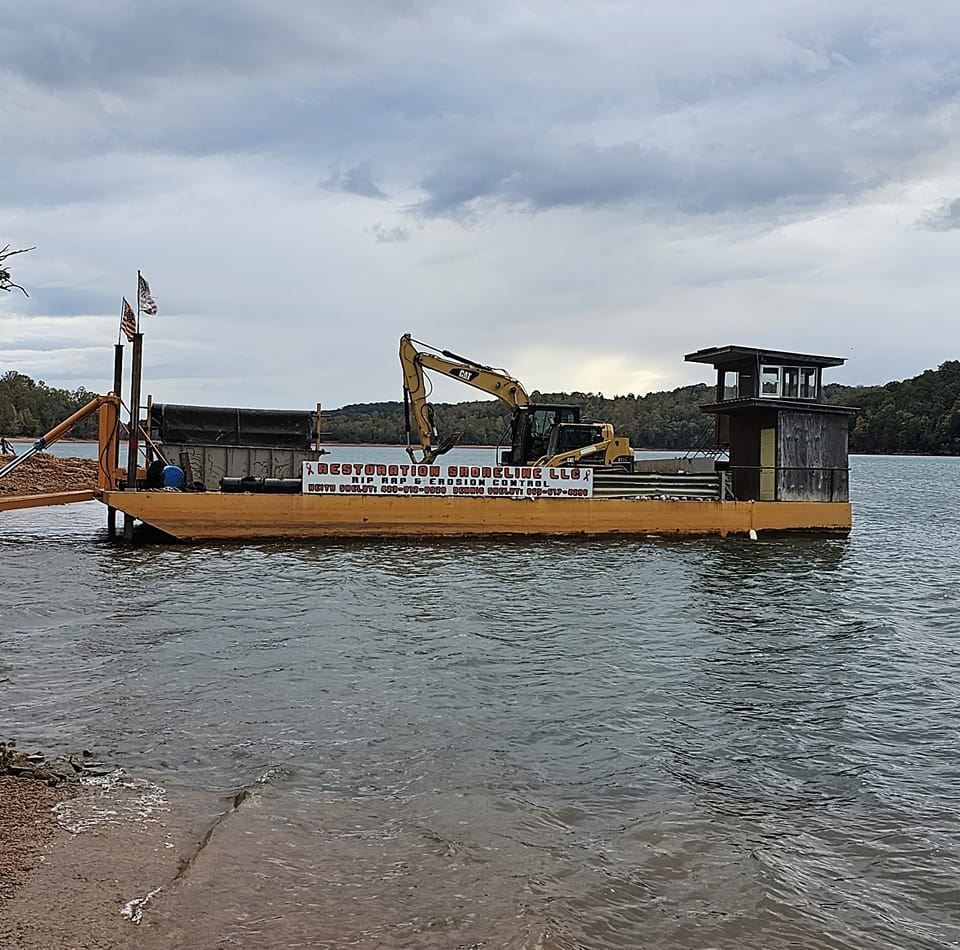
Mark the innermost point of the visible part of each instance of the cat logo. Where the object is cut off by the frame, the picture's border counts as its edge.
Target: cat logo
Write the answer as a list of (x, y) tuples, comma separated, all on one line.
[(465, 375)]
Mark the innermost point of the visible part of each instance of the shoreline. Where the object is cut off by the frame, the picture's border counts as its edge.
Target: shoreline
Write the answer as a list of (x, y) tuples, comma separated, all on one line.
[(64, 835), (82, 864)]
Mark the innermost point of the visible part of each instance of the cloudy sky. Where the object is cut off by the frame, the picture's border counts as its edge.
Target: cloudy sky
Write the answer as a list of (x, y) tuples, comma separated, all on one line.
[(579, 192)]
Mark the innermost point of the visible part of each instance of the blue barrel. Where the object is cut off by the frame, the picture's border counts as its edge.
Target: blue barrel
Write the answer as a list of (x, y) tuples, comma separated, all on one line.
[(173, 476)]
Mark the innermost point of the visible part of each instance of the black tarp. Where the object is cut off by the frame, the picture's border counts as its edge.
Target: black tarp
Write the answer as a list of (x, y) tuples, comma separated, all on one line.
[(212, 425)]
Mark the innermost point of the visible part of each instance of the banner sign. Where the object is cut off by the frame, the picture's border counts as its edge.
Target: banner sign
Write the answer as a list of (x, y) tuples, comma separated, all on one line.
[(472, 481)]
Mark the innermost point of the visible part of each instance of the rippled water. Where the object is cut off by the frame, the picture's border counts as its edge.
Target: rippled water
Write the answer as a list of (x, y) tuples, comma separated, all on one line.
[(603, 744)]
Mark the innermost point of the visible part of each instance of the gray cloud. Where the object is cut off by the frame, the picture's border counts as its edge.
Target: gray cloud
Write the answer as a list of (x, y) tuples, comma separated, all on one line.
[(589, 109), (65, 301), (354, 181), (589, 176), (121, 45), (384, 235), (945, 218)]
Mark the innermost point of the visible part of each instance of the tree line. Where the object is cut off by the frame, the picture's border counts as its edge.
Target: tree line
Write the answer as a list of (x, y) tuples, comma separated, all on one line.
[(919, 415), (914, 416), (30, 408), (665, 420)]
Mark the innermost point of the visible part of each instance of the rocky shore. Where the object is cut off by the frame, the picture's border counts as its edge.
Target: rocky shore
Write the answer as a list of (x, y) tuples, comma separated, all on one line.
[(49, 473), (67, 769)]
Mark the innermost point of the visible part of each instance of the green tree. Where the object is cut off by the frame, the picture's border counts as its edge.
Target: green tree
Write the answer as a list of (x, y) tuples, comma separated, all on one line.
[(29, 408)]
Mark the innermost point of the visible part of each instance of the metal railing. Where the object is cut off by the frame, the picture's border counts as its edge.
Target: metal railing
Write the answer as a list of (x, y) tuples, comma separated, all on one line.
[(704, 485), (718, 485), (836, 478)]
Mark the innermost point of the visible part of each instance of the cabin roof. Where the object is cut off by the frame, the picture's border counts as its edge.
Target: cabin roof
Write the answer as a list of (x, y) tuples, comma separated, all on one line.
[(766, 402), (725, 355)]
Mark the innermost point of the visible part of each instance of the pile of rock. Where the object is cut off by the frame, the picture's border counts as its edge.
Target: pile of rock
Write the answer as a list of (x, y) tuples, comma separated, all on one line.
[(62, 768), (48, 473)]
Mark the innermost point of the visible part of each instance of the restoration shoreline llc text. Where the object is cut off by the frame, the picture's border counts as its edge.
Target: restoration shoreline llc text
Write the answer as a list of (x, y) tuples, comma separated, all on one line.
[(490, 481)]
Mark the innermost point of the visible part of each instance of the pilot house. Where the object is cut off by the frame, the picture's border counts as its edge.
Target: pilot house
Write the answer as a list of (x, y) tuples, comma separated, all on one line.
[(784, 442)]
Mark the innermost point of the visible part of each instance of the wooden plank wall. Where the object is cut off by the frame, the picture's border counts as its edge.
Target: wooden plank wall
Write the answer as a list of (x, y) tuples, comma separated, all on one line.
[(812, 457)]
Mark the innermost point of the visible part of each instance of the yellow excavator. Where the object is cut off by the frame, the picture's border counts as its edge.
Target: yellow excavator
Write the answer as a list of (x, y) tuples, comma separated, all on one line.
[(545, 434)]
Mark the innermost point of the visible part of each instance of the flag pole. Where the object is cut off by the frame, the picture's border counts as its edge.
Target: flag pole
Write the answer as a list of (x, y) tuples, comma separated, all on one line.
[(114, 460), (134, 429)]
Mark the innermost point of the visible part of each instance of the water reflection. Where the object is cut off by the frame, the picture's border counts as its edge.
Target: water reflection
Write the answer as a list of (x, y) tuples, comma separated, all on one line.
[(644, 742)]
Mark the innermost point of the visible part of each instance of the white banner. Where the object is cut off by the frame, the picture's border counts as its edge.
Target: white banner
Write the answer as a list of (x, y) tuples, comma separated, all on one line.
[(469, 481)]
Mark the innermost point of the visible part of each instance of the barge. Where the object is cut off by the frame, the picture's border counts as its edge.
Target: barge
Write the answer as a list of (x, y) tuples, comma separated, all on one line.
[(236, 517), (784, 468)]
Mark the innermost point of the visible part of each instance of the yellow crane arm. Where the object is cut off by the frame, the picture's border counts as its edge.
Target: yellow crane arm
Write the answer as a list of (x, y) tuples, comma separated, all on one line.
[(60, 430), (414, 361)]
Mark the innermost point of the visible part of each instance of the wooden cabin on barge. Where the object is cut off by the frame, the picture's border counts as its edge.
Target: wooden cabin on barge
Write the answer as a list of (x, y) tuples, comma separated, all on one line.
[(784, 442)]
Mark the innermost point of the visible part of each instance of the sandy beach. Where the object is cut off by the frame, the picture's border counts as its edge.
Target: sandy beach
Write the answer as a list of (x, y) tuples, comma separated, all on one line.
[(80, 863)]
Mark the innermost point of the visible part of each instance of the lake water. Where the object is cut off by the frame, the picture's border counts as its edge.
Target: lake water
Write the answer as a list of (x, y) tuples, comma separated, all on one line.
[(555, 744)]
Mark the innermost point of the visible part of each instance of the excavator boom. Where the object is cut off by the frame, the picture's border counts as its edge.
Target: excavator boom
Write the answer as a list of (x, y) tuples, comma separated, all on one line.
[(532, 425), (414, 361)]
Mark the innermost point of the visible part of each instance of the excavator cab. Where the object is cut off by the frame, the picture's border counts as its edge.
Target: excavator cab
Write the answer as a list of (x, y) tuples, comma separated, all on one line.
[(531, 431)]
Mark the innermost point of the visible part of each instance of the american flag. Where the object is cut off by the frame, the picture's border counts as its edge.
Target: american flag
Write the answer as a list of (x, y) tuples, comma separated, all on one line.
[(128, 321), (147, 303)]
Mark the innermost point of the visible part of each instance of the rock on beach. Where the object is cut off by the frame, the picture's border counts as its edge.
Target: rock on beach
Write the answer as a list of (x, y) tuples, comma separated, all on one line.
[(64, 882), (32, 765)]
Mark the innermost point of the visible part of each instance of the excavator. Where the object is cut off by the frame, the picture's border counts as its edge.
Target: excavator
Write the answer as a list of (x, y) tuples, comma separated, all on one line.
[(546, 434)]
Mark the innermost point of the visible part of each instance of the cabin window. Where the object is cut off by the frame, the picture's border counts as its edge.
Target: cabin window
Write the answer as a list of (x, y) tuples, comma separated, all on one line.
[(808, 382), (542, 422), (791, 382), (729, 385), (769, 380)]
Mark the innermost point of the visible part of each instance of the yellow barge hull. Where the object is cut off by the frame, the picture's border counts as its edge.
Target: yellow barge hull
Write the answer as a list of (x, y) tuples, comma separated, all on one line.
[(212, 515)]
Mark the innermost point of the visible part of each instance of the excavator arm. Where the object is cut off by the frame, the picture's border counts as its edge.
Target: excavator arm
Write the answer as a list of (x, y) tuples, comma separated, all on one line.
[(485, 378)]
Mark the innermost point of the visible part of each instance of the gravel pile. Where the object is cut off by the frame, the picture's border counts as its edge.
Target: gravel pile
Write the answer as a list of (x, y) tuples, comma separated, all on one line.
[(47, 473)]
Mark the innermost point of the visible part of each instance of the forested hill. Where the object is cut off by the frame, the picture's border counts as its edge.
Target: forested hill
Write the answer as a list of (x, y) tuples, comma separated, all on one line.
[(29, 408), (667, 420), (919, 415)]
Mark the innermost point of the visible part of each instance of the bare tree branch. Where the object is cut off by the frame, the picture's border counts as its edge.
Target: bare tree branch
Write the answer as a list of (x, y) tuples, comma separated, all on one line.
[(6, 283)]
